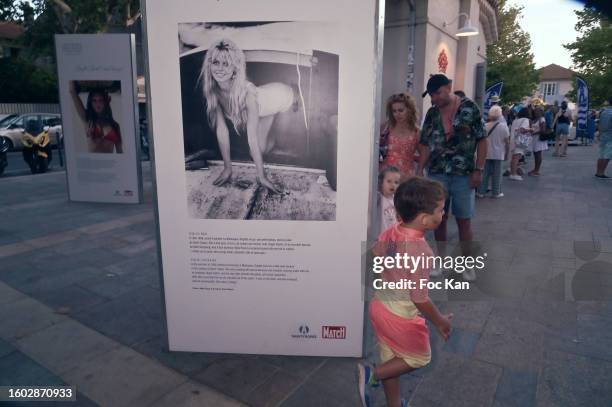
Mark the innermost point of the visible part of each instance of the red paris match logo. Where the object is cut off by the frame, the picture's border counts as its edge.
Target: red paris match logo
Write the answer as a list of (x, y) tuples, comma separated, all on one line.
[(333, 332), (442, 61)]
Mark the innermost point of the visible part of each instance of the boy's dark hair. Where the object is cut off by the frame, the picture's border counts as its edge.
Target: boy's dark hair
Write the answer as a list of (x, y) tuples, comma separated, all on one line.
[(385, 171), (417, 195)]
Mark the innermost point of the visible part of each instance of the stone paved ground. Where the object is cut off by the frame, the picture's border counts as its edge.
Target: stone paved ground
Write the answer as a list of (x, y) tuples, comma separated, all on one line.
[(80, 305)]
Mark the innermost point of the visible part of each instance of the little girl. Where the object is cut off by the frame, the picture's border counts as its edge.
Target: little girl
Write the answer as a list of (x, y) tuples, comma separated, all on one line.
[(388, 181), (403, 336), (229, 95)]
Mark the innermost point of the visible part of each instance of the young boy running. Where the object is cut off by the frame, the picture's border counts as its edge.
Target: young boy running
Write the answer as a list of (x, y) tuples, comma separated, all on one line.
[(403, 336)]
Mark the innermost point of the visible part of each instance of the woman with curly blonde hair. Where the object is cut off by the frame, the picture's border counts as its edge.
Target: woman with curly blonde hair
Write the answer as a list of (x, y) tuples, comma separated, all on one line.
[(400, 135), (229, 95)]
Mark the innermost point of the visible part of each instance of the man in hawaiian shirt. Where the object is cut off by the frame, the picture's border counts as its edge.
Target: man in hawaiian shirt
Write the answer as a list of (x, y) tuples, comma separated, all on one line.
[(453, 148)]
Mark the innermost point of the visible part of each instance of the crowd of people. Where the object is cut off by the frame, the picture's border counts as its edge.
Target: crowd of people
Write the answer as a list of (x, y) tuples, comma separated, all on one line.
[(462, 158)]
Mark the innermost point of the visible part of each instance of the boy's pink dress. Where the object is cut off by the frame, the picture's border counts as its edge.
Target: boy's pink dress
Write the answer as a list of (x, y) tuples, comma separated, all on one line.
[(401, 332)]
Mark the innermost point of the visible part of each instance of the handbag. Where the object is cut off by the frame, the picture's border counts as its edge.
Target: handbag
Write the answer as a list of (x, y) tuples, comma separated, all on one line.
[(546, 134), (522, 140)]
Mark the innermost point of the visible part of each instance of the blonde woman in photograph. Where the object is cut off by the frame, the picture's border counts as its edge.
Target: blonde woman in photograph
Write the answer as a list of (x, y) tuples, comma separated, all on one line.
[(250, 109)]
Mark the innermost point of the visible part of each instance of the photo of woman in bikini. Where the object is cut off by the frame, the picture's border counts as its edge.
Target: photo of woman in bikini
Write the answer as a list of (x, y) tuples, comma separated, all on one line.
[(102, 131)]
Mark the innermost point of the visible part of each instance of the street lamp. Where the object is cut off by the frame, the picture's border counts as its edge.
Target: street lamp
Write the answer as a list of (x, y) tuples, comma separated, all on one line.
[(467, 30)]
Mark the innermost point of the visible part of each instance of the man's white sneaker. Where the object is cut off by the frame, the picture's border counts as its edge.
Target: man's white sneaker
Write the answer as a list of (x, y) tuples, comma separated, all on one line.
[(500, 195), (515, 177)]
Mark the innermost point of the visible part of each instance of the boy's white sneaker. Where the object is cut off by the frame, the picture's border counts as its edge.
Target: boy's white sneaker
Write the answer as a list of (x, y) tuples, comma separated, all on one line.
[(515, 177)]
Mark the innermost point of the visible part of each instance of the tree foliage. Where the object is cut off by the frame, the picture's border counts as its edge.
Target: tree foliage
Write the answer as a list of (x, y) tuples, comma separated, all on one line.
[(17, 11), (31, 76), (22, 81), (510, 59), (75, 17), (592, 53)]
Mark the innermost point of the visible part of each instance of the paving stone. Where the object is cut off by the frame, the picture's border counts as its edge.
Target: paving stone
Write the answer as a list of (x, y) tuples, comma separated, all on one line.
[(594, 326), (498, 251), (188, 363), (333, 384), (516, 389), (110, 285), (8, 294), (16, 369), (274, 390), (42, 281), (65, 346), (557, 316), (598, 347), (70, 299), (572, 380), (130, 319), (123, 377), (498, 285), (600, 308), (25, 316), (5, 348), (301, 366), (138, 248), (468, 315), (192, 394), (511, 342), (465, 382), (462, 342), (236, 376), (135, 263)]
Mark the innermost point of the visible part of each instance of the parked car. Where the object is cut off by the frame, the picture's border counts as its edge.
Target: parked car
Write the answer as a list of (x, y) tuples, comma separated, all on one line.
[(11, 128), (5, 118)]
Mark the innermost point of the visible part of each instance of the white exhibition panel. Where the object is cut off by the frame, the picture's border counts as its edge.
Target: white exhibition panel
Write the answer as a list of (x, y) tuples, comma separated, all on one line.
[(258, 315), (102, 155)]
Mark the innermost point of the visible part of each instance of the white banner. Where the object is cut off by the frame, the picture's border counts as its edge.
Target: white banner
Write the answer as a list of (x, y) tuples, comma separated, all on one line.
[(96, 79), (263, 117)]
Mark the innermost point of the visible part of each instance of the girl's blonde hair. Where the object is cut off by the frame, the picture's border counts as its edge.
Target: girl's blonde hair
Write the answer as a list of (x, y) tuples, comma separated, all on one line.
[(410, 104), (225, 50)]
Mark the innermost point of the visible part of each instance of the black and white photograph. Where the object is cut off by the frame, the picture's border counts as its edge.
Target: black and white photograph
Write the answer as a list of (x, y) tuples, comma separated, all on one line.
[(260, 120)]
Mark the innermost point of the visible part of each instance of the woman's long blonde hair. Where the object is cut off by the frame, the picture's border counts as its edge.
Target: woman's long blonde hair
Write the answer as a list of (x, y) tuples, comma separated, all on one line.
[(225, 50), (410, 104)]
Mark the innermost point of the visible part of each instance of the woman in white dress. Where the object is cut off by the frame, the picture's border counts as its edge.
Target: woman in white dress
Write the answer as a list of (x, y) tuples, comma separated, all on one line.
[(538, 126), (520, 141)]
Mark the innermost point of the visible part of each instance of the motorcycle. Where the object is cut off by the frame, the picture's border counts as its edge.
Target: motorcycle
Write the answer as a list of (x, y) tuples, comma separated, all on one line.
[(36, 147), (4, 148)]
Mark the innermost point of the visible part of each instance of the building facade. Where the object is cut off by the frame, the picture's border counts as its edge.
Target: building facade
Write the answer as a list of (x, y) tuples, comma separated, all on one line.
[(9, 34), (555, 82), (420, 41)]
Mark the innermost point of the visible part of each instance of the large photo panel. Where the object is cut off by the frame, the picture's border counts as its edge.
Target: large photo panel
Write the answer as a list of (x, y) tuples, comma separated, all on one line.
[(263, 145), (295, 93), (97, 96)]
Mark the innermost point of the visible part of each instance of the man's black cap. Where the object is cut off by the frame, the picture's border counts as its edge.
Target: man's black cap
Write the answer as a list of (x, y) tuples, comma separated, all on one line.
[(435, 82)]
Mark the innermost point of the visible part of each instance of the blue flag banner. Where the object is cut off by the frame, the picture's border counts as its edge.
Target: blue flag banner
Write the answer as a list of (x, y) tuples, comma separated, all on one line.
[(582, 96), (493, 90)]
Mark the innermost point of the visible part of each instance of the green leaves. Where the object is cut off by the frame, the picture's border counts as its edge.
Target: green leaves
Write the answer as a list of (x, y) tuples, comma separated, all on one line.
[(592, 53), (510, 59), (25, 82)]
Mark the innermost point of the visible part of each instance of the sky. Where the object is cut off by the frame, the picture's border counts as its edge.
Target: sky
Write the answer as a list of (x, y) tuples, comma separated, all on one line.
[(550, 23)]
